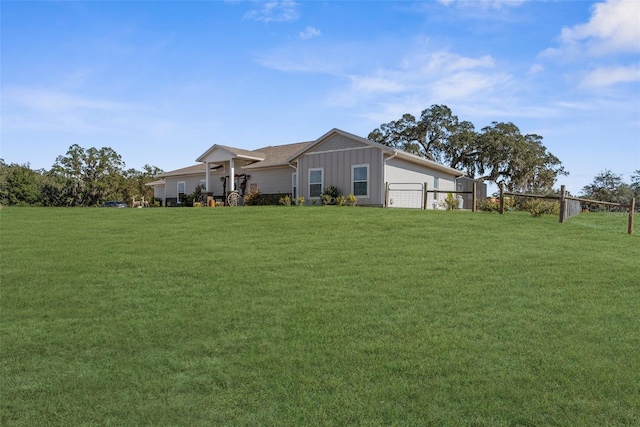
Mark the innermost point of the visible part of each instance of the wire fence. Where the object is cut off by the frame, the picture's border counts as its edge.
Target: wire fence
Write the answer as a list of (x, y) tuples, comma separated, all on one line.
[(571, 206), (405, 195), (416, 195)]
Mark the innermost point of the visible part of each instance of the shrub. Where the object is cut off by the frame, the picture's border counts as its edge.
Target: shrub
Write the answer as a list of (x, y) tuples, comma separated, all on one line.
[(186, 200), (256, 198), (252, 197), (340, 200), (352, 200), (197, 205), (331, 193), (492, 204), (300, 200), (219, 203), (286, 200), (198, 195), (450, 202), (539, 207)]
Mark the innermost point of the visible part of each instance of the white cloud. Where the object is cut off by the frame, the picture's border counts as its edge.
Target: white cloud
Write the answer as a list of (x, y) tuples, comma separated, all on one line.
[(375, 84), (309, 33), (484, 4), (275, 11), (614, 27), (52, 101), (51, 110), (608, 76), (536, 69), (445, 62), (305, 62), (420, 80), (466, 85)]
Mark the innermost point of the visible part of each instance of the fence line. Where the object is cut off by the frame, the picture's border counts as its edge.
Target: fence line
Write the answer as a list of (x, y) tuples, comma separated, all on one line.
[(425, 191), (567, 212)]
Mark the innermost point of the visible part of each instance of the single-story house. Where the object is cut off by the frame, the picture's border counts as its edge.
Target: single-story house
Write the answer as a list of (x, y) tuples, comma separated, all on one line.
[(353, 164)]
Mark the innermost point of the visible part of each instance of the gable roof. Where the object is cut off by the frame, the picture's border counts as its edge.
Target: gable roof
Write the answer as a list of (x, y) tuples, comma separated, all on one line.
[(277, 155), (336, 131), (257, 154), (282, 155), (393, 152), (233, 152)]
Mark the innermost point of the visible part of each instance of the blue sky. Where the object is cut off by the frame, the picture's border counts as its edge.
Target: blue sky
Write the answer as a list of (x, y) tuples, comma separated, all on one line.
[(160, 82)]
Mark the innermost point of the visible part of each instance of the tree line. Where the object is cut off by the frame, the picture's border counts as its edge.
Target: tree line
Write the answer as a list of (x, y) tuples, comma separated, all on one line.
[(82, 177), (498, 153), (610, 187)]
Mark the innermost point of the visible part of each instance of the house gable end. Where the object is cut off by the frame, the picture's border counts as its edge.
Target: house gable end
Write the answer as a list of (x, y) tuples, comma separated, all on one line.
[(337, 142), (221, 153)]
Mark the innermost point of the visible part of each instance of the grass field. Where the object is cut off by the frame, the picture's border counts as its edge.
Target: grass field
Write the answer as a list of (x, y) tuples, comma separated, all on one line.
[(317, 316)]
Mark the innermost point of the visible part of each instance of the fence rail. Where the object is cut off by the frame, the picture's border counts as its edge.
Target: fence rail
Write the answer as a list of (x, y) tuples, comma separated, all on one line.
[(564, 198)]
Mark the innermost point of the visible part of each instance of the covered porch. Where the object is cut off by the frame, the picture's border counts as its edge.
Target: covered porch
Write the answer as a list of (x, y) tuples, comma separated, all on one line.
[(226, 163)]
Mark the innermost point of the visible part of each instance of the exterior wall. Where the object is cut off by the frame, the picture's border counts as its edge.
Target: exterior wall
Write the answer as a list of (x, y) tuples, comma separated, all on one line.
[(273, 180), (215, 185), (402, 171), (337, 169), (171, 185), (270, 181), (158, 191)]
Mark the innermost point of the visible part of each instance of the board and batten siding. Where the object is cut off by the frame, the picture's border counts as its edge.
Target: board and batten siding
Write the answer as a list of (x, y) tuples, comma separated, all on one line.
[(272, 180), (402, 171), (338, 142), (337, 166)]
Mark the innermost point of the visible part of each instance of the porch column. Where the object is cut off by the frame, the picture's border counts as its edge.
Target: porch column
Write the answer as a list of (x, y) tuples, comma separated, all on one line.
[(232, 175), (207, 177)]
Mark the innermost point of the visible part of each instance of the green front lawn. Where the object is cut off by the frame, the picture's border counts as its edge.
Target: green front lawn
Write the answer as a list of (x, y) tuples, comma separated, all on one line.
[(317, 316)]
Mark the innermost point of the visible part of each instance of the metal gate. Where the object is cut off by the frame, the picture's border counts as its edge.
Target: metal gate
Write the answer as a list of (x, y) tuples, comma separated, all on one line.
[(405, 195)]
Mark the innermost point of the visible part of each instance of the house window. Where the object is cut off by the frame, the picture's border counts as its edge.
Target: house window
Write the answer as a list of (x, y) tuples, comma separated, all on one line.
[(315, 182), (436, 181), (360, 179), (181, 190), (294, 186)]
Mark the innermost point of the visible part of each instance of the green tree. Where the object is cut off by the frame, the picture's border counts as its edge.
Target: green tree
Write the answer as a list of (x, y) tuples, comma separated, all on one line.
[(137, 180), (52, 189), (608, 187), (499, 153), (19, 184), (519, 161), (89, 176), (427, 137), (635, 184)]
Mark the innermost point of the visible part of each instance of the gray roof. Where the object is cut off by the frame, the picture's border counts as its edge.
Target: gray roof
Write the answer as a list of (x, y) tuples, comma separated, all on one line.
[(244, 153), (281, 155), (277, 155), (189, 170)]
